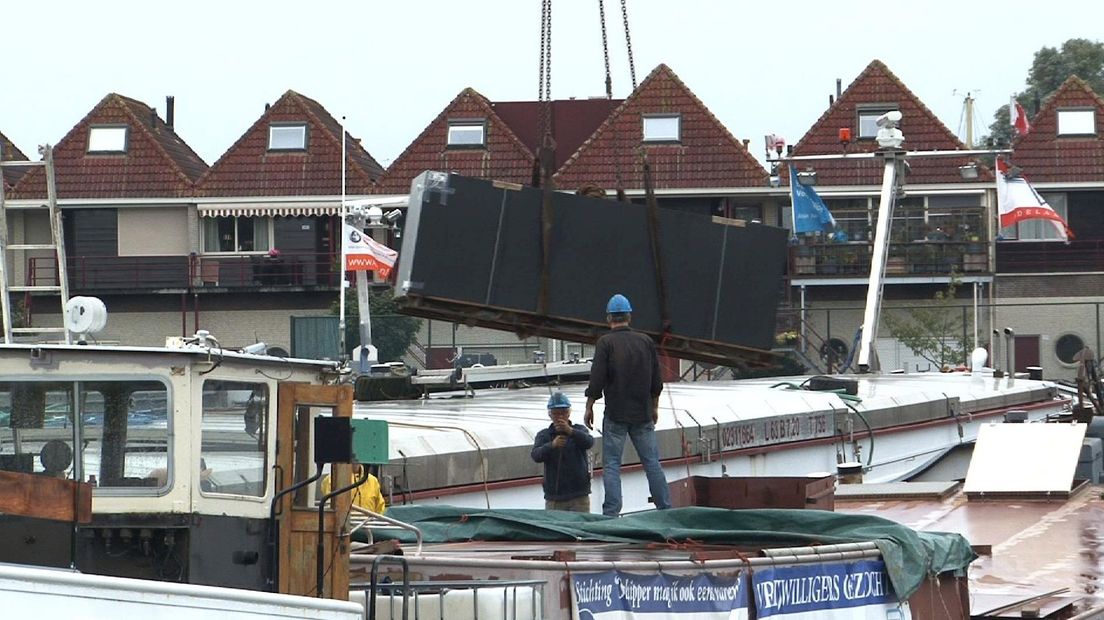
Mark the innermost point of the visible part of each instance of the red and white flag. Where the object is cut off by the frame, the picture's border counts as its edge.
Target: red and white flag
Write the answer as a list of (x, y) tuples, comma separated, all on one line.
[(363, 253), (1018, 116), (1018, 201)]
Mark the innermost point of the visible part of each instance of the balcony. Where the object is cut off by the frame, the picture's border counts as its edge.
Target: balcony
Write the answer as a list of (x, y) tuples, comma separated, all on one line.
[(1050, 256), (919, 258), (143, 274)]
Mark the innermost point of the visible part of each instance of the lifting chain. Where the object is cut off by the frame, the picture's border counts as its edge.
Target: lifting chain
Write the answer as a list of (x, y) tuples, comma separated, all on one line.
[(628, 41), (544, 85)]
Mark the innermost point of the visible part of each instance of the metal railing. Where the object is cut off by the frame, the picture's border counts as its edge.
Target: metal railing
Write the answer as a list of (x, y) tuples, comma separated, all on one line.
[(1050, 256), (150, 273), (920, 258)]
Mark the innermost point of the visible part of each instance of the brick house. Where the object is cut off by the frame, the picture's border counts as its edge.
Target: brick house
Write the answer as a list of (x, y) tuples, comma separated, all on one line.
[(173, 245), (940, 225), (1048, 291), (10, 152)]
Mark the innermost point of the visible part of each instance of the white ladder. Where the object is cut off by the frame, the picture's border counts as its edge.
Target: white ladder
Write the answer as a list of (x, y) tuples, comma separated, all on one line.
[(61, 289)]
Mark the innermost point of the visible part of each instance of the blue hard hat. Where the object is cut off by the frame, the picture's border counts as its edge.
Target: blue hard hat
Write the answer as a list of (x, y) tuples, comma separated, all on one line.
[(558, 400), (618, 304)]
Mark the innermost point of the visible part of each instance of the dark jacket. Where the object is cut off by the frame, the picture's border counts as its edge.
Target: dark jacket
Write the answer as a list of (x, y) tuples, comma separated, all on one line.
[(566, 474), (625, 370)]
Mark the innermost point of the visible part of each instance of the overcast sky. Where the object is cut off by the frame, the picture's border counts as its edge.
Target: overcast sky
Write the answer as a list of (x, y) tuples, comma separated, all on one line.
[(391, 66)]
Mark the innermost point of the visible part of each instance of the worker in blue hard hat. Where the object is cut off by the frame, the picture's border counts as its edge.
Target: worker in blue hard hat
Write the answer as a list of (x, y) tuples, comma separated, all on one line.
[(625, 370), (563, 447)]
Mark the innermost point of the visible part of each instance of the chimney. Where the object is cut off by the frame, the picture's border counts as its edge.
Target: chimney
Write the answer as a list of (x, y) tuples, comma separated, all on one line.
[(170, 109), (153, 117), (746, 142), (839, 87), (267, 106), (831, 100), (1036, 102)]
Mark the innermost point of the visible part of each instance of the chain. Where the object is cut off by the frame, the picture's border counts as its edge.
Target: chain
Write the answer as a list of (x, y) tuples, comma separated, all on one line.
[(628, 41), (544, 88), (605, 48)]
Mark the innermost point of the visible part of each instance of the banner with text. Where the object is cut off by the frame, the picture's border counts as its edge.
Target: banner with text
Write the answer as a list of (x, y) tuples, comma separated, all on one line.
[(363, 253), (614, 595), (836, 591)]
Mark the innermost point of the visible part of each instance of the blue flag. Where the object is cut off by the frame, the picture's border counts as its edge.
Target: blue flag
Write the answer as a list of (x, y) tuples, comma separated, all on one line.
[(810, 214)]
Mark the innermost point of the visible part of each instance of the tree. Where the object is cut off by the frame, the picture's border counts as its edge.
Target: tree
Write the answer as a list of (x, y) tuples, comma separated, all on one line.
[(1052, 67), (392, 332), (933, 332)]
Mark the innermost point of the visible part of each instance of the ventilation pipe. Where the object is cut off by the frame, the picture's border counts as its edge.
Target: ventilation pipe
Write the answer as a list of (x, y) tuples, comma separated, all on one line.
[(170, 110), (839, 87), (1010, 353), (996, 354)]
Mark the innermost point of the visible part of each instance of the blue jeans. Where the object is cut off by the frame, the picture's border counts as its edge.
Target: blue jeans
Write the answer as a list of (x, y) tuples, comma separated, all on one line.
[(613, 447)]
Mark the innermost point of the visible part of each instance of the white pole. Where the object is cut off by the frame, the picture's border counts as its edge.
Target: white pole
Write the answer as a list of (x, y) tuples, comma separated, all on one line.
[(341, 264)]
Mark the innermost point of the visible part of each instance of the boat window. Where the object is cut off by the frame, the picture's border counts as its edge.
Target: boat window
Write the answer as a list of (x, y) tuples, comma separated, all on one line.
[(234, 439), (122, 430), (1067, 348)]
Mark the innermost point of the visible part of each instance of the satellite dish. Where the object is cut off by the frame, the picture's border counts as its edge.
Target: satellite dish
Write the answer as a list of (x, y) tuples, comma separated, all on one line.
[(85, 315)]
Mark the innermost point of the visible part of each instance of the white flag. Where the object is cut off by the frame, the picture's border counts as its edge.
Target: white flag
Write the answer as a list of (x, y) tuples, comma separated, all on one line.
[(1018, 201), (363, 253)]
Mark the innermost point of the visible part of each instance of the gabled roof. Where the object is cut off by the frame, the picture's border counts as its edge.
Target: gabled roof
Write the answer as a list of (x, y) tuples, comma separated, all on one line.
[(248, 168), (505, 157), (922, 129), (573, 121), (706, 156), (10, 152), (1047, 157), (157, 163)]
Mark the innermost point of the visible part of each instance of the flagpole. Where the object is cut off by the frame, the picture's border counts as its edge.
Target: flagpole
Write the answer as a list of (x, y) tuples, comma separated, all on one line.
[(994, 230), (341, 241)]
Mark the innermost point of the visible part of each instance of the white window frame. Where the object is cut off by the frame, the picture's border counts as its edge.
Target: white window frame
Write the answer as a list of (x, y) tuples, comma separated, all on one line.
[(255, 251), (1077, 122), (459, 128), (870, 113), (112, 139), (277, 132), (658, 128)]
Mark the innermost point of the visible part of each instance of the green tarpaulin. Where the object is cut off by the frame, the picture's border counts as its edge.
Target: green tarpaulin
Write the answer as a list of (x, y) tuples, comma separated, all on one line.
[(910, 556)]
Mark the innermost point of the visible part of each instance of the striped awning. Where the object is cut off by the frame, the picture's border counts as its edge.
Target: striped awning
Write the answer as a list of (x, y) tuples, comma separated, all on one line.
[(267, 209)]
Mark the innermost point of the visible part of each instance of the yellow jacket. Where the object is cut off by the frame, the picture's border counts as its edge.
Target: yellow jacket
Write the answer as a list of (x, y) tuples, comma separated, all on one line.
[(367, 495)]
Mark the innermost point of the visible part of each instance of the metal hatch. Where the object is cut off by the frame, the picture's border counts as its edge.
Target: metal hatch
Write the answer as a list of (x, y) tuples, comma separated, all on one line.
[(1025, 460)]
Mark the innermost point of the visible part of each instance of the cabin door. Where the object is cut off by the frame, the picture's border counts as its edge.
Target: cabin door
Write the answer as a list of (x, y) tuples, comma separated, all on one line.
[(1027, 352), (297, 514)]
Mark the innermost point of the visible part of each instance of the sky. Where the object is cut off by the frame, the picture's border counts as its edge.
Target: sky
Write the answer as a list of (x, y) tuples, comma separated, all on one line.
[(390, 67)]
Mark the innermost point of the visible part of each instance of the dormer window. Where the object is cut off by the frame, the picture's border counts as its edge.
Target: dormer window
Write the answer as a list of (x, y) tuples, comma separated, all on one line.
[(662, 127), (467, 133), (868, 118), (1076, 122), (107, 139), (287, 137)]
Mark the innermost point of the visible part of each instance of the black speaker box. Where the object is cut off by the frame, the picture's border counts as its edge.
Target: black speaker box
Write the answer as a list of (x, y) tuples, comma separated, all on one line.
[(333, 440)]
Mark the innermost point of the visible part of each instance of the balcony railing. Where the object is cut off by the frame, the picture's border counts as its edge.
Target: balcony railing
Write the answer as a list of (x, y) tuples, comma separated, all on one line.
[(147, 273), (920, 258), (1050, 256)]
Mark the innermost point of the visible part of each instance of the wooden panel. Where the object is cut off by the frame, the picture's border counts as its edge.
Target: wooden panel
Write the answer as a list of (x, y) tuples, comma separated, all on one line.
[(43, 497)]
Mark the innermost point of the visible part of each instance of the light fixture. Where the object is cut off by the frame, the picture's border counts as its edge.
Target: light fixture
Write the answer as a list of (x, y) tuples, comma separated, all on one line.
[(968, 172), (375, 214), (391, 216), (807, 176)]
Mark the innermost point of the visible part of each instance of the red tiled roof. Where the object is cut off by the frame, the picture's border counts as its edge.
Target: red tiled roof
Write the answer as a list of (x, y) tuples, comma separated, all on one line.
[(505, 158), (248, 168), (157, 162), (706, 156), (10, 152), (573, 121), (922, 130), (1047, 157)]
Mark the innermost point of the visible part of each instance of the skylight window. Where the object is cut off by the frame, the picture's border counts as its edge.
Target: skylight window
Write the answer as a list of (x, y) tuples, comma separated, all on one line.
[(663, 128), (467, 133), (107, 139), (868, 119), (287, 137), (1077, 122)]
